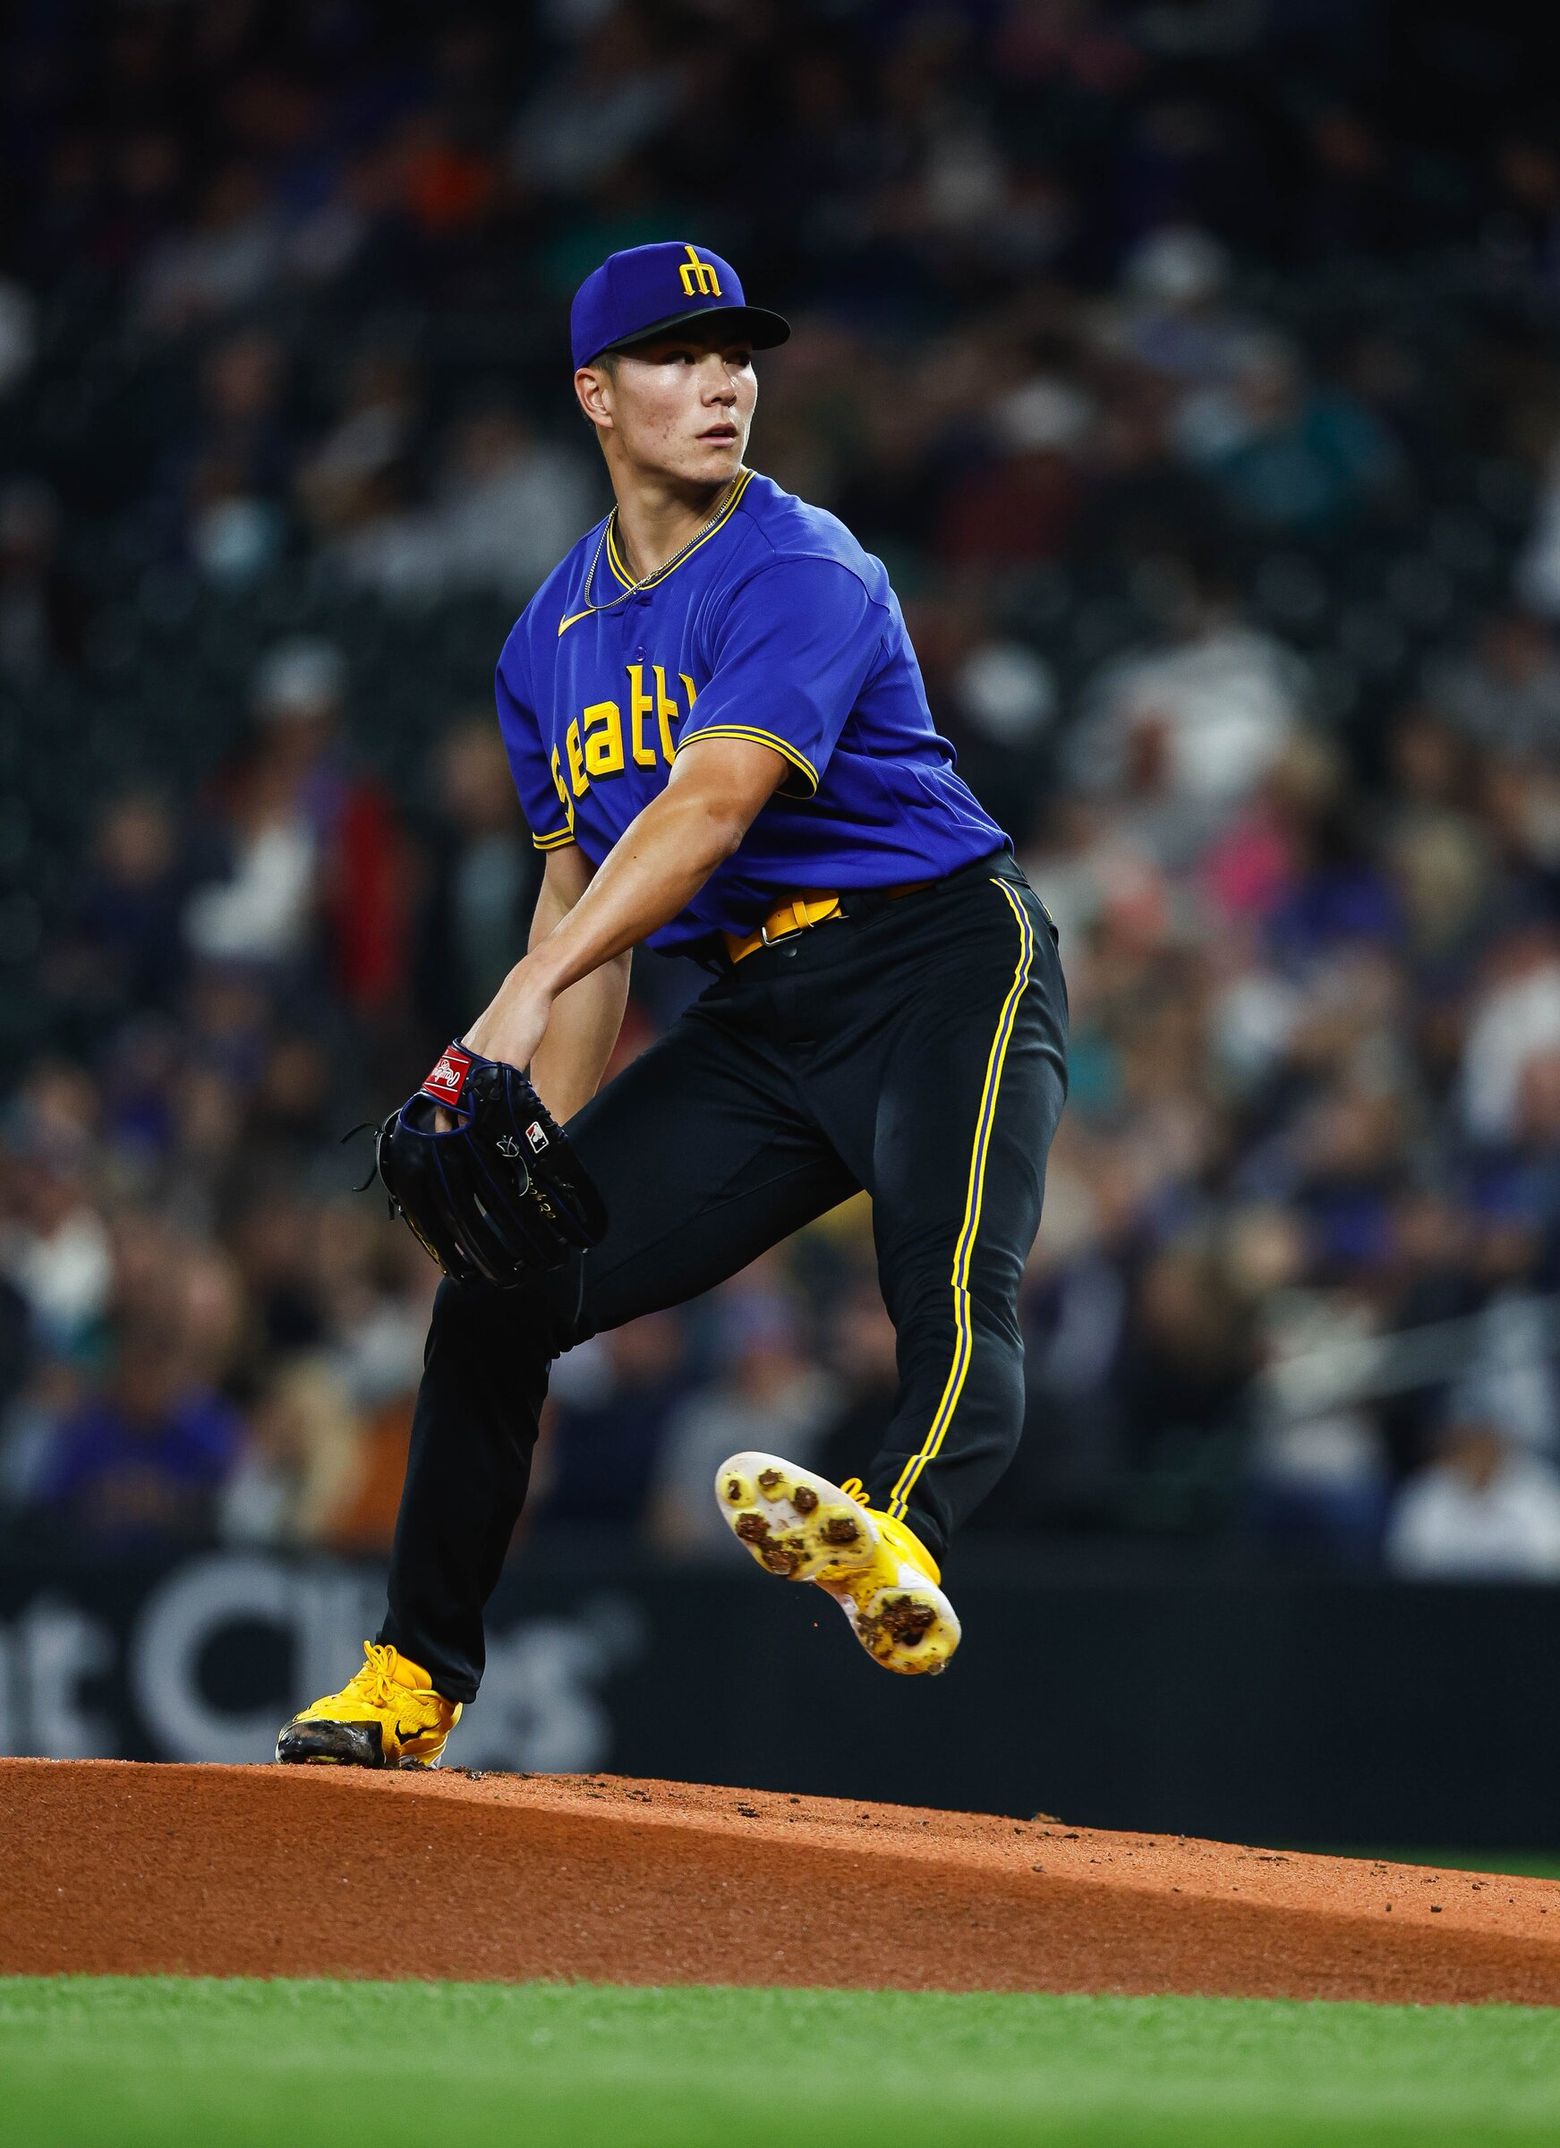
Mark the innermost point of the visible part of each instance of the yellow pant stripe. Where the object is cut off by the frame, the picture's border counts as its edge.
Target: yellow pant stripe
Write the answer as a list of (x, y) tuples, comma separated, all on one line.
[(964, 1247)]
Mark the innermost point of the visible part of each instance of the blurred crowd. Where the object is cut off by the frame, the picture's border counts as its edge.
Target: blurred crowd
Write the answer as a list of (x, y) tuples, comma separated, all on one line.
[(1192, 368)]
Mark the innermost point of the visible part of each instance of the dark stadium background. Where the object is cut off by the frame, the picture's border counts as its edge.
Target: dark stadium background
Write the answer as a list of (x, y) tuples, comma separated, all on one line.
[(1193, 367)]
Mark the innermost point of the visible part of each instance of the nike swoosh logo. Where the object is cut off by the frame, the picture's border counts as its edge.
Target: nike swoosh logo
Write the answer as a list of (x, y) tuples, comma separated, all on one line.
[(573, 617), (415, 1730)]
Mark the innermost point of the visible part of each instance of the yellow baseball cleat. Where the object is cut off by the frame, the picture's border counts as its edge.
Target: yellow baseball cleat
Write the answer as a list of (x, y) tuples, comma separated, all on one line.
[(387, 1717), (803, 1528)]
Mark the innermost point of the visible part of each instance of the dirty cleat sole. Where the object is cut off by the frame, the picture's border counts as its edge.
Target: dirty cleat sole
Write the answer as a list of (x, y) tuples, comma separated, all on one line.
[(340, 1745), (911, 1629), (796, 1525), (386, 1716), (800, 1527)]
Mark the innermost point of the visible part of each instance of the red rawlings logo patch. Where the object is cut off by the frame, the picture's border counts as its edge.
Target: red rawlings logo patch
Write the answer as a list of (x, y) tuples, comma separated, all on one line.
[(448, 1078)]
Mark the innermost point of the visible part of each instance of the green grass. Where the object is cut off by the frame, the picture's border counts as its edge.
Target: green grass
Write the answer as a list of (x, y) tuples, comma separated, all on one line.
[(128, 2062), (1528, 1864)]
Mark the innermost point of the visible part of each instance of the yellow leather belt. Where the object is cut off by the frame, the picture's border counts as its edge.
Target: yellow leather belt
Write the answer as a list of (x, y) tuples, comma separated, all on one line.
[(798, 912)]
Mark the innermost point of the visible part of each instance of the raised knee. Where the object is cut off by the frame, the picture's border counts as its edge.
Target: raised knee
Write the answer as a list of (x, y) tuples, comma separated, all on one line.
[(476, 1316)]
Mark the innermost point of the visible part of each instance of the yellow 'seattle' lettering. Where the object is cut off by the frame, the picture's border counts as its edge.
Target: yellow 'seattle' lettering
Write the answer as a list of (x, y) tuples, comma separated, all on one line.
[(666, 713), (640, 705), (562, 788), (603, 739), (599, 742)]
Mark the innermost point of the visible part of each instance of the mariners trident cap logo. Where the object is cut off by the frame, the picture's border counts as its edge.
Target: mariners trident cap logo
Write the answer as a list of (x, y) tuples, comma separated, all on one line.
[(646, 290)]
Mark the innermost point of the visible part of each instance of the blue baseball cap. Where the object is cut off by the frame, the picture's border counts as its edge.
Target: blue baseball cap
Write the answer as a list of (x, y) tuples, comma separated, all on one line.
[(646, 290)]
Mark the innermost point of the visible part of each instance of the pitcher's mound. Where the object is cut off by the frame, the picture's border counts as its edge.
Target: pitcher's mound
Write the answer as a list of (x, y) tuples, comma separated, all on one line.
[(217, 1871)]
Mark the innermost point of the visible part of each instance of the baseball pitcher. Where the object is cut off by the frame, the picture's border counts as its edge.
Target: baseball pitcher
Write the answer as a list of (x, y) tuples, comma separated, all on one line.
[(721, 740)]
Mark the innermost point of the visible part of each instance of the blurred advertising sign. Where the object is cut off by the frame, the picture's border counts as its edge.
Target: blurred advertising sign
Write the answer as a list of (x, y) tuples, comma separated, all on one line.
[(1249, 1705), (202, 1662)]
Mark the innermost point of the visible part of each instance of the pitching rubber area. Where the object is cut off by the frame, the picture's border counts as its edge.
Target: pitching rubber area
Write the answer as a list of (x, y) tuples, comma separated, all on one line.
[(118, 1868)]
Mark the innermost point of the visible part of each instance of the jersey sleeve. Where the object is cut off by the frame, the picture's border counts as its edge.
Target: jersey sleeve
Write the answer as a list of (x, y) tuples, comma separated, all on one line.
[(793, 650), (548, 811)]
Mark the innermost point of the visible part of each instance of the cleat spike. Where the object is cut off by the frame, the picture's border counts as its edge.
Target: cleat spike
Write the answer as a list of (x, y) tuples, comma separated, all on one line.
[(800, 1527)]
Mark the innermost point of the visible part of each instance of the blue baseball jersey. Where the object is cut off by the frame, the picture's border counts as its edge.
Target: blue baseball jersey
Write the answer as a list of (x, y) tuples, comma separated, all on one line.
[(776, 626)]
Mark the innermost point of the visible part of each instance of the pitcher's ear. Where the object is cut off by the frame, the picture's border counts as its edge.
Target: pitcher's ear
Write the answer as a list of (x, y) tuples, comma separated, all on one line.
[(593, 385)]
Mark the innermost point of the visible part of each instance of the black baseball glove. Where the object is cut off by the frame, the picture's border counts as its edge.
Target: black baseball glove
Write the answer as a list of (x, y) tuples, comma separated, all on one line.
[(501, 1193)]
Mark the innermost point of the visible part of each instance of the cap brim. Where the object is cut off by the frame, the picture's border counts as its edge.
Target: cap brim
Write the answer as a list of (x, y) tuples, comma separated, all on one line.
[(763, 329)]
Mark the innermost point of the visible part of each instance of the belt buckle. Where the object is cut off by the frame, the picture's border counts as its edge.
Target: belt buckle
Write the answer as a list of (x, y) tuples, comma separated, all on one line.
[(796, 924)]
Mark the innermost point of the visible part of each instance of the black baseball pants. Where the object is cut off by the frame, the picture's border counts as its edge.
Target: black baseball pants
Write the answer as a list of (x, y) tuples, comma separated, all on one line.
[(915, 1047)]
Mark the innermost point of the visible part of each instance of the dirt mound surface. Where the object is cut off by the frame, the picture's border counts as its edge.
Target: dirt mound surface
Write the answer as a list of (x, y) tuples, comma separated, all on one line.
[(218, 1871)]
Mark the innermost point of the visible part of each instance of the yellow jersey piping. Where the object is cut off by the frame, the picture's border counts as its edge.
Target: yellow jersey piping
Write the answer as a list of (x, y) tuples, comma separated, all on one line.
[(624, 578), (653, 581), (964, 1246), (797, 759), (614, 557)]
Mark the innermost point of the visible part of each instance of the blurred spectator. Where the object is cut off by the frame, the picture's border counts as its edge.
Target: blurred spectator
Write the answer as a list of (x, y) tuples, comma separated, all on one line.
[(1187, 731), (1020, 506), (1317, 1487), (596, 106), (231, 474), (54, 1244), (1504, 691), (1177, 317), (227, 259), (121, 953), (862, 1355), (483, 877), (1514, 1020), (1186, 1348), (1485, 1510), (276, 1250), (314, 845), (508, 507), (1288, 457), (608, 1423), (140, 1464), (770, 1397), (301, 1457), (373, 434), (505, 509)]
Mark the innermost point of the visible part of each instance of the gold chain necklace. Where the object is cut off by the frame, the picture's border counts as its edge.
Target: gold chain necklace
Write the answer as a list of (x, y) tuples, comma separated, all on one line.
[(645, 580)]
